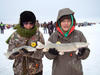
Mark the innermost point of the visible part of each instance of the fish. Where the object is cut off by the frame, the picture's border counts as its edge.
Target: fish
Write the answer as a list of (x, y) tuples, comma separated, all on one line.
[(63, 47), (28, 48)]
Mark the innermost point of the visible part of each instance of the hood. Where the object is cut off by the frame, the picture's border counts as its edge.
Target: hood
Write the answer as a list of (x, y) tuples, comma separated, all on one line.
[(61, 13), (65, 11)]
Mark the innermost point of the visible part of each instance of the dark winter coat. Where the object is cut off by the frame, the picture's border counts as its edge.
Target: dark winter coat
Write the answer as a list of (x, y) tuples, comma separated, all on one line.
[(67, 64), (50, 28)]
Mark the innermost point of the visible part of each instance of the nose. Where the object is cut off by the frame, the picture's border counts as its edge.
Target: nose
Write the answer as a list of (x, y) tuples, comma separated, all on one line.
[(66, 23)]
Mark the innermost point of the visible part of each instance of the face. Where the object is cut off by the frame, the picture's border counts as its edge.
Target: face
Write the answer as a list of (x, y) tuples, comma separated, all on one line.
[(28, 25), (65, 24)]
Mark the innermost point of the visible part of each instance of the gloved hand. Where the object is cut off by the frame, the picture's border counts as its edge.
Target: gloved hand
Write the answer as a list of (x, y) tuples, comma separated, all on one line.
[(16, 53), (53, 51), (83, 53), (23, 51)]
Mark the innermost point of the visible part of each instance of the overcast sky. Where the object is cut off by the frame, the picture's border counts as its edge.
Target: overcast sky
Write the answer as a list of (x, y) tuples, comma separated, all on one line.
[(47, 10)]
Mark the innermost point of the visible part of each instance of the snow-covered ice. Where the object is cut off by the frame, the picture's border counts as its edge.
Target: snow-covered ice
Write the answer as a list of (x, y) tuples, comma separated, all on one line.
[(90, 65)]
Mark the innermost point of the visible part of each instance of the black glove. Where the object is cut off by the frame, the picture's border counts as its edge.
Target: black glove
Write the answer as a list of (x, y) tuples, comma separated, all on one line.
[(23, 50), (13, 55), (82, 51), (16, 53), (53, 51)]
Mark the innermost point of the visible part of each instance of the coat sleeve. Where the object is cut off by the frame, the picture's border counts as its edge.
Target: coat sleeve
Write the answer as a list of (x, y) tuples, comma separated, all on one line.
[(11, 46), (87, 50), (39, 53), (53, 40)]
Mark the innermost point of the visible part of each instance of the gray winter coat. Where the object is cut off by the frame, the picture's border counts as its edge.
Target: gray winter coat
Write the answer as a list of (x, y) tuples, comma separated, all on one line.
[(67, 64)]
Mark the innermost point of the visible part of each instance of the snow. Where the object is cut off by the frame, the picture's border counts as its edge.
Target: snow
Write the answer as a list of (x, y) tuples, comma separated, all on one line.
[(90, 65)]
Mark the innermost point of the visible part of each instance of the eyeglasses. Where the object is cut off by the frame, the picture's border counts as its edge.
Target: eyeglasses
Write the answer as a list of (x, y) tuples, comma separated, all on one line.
[(26, 23)]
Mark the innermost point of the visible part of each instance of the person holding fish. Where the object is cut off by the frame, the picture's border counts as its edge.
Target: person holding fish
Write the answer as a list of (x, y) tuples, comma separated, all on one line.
[(70, 62), (26, 34)]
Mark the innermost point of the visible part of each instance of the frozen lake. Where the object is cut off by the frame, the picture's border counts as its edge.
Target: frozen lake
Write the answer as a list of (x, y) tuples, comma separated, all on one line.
[(90, 66)]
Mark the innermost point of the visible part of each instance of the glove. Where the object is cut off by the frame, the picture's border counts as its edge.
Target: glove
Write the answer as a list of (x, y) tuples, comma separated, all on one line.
[(53, 51), (16, 53), (23, 51), (83, 53)]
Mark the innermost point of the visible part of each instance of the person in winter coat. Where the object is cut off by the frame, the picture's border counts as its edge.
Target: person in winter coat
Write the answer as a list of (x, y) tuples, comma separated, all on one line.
[(26, 34), (45, 27), (70, 62), (2, 27), (37, 24), (50, 28)]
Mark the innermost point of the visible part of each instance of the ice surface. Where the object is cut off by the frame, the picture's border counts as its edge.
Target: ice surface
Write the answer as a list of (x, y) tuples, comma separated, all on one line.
[(90, 65)]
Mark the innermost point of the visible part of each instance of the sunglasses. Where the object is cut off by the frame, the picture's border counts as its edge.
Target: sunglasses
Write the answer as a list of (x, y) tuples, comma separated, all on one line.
[(26, 23)]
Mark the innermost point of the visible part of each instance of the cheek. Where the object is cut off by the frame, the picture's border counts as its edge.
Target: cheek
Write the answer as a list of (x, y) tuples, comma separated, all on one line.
[(31, 26), (25, 26), (70, 23)]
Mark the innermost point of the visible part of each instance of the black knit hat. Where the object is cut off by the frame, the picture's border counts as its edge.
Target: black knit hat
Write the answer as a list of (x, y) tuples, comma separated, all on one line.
[(27, 16)]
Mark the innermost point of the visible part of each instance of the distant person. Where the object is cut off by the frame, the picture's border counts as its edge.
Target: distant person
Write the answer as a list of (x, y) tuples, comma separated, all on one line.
[(45, 28), (50, 27), (26, 34), (55, 26), (70, 62), (2, 27), (8, 26), (37, 24)]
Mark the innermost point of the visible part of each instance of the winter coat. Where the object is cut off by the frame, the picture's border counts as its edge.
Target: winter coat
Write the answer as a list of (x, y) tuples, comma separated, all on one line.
[(50, 28), (67, 64), (2, 26), (30, 64)]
